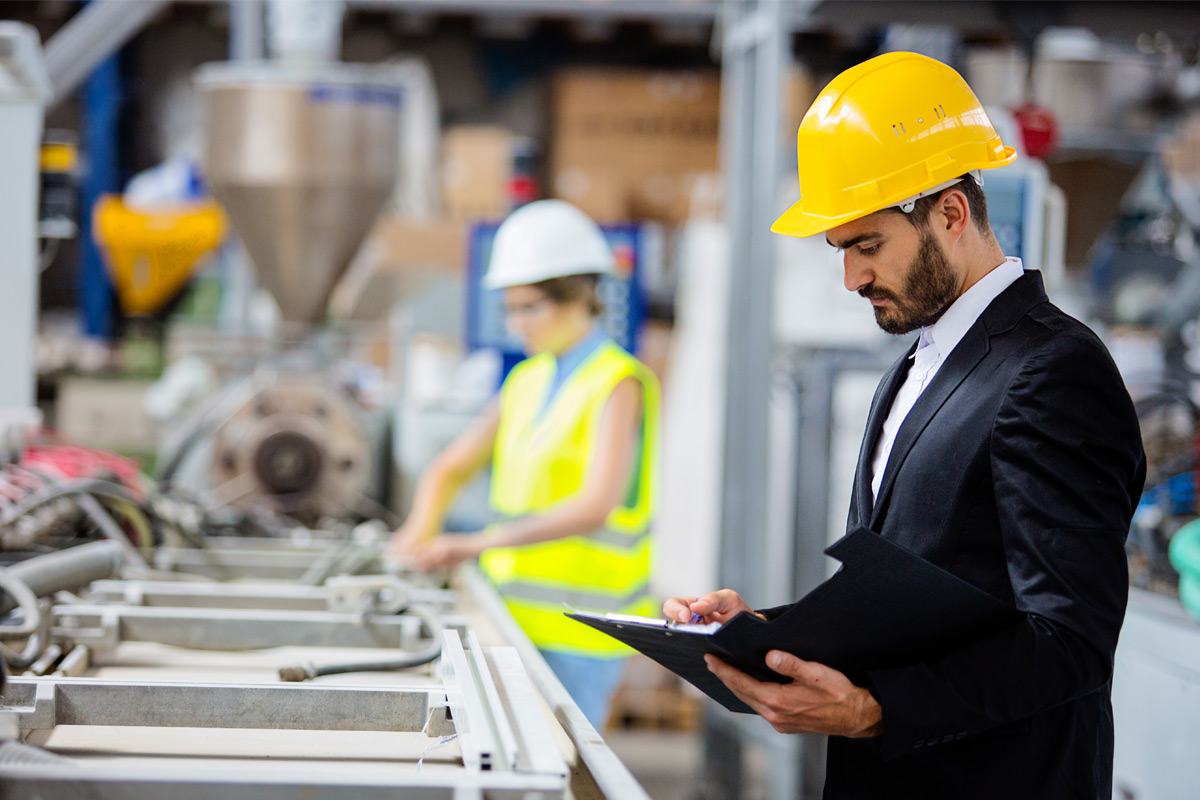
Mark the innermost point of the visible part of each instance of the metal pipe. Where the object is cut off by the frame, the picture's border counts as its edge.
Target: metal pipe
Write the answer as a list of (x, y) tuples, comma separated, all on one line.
[(66, 569), (246, 41), (97, 31)]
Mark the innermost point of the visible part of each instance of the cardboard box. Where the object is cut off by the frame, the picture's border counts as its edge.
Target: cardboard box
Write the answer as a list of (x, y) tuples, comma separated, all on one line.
[(636, 144), (400, 255), (107, 413), (476, 171), (628, 144), (407, 243)]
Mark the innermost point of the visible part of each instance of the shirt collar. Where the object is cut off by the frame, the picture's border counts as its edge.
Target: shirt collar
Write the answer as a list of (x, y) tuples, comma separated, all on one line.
[(954, 323), (569, 361)]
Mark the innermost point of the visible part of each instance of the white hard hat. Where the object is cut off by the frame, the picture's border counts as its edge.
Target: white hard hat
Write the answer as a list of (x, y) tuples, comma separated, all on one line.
[(544, 240)]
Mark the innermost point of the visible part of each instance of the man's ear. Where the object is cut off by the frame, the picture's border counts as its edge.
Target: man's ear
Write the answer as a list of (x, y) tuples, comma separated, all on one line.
[(952, 214)]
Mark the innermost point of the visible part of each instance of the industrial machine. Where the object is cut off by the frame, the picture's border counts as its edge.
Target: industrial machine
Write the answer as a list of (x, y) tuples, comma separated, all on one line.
[(302, 157), (266, 667)]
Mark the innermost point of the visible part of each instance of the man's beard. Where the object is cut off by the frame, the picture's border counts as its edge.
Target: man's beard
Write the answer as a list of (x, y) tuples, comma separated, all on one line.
[(929, 288)]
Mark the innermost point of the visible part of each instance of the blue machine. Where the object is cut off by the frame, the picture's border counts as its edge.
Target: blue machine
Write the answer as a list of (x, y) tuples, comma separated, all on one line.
[(1016, 199), (1008, 198), (1028, 214), (623, 294)]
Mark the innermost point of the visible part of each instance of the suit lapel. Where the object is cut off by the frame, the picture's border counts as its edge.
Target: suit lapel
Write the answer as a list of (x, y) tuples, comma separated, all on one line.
[(969, 352), (888, 387), (1000, 316)]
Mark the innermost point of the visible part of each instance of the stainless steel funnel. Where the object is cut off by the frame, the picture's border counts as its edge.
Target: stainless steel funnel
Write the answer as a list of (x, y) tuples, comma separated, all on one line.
[(302, 158)]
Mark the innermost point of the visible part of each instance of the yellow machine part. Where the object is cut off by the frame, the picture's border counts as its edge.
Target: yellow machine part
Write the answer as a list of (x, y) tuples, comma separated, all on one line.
[(151, 255), (58, 157)]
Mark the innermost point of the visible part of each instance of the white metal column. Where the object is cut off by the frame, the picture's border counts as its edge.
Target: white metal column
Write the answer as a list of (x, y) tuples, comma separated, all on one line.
[(25, 89), (755, 47)]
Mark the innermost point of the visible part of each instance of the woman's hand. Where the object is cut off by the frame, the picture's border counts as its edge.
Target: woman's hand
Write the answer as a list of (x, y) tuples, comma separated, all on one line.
[(447, 552), (408, 540)]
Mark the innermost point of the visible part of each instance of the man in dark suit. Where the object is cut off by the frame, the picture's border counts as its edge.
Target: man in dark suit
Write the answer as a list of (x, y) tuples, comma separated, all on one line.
[(1002, 446)]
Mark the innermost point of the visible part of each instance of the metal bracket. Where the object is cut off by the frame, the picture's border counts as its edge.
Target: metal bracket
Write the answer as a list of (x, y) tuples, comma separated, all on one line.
[(537, 751), (380, 594), (745, 34), (476, 737)]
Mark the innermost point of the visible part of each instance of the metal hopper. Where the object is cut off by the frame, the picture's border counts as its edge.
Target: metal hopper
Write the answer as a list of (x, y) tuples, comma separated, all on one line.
[(302, 158)]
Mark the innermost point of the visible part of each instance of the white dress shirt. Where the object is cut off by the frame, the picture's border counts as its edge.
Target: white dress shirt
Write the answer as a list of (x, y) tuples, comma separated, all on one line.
[(933, 347)]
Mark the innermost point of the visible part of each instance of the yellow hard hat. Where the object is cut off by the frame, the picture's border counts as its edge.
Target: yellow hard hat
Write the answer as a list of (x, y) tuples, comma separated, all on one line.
[(882, 133)]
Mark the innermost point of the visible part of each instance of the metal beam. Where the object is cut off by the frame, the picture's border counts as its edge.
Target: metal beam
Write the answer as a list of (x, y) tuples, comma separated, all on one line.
[(42, 703), (599, 763), (228, 564), (228, 629), (282, 597), (478, 738), (246, 23), (281, 782), (751, 88), (647, 10), (96, 31), (754, 36)]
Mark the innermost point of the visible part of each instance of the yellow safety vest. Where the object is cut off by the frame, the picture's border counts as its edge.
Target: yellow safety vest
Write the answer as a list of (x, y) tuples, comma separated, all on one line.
[(541, 460)]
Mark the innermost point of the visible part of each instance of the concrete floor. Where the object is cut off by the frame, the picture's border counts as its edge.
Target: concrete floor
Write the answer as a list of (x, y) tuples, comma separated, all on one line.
[(666, 763)]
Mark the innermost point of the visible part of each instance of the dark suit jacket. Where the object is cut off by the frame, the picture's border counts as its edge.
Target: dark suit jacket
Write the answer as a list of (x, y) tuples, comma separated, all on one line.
[(1018, 469)]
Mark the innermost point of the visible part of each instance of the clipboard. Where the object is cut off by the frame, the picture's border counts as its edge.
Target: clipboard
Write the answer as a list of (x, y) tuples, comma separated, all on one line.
[(885, 607)]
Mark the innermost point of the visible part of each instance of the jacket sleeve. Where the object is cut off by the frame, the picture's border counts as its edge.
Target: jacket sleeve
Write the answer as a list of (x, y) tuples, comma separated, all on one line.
[(1067, 467)]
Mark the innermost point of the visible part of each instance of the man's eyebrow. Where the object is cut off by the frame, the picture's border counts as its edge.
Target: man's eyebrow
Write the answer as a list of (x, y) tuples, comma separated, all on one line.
[(862, 237)]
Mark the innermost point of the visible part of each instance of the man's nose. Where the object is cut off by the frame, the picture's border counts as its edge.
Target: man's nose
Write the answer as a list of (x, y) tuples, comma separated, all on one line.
[(855, 277)]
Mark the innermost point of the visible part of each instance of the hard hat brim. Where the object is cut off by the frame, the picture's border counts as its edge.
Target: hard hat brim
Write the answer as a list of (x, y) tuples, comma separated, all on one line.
[(800, 222), (491, 282)]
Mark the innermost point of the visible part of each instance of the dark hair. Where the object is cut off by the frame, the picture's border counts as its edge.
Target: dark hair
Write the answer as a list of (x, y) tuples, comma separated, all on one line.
[(976, 201), (572, 288)]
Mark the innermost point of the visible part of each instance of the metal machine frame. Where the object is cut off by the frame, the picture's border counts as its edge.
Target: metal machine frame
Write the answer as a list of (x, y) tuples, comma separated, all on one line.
[(507, 745), (490, 700)]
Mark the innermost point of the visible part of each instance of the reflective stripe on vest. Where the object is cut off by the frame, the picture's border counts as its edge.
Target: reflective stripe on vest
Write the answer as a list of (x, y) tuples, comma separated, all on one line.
[(540, 461), (574, 598), (609, 537)]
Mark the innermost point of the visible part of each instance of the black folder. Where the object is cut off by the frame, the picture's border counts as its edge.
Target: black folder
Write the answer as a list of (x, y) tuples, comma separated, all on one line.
[(885, 607)]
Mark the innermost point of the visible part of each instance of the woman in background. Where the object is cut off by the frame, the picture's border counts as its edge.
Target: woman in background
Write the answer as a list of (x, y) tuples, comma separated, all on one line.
[(572, 440)]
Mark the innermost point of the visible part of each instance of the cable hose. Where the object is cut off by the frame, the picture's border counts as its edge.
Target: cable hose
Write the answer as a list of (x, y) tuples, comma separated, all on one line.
[(109, 528), (203, 427), (33, 625), (26, 600), (59, 489), (430, 653), (66, 569)]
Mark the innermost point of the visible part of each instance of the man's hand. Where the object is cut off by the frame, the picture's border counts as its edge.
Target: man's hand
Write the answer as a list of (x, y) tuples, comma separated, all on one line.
[(719, 606), (818, 700), (447, 552)]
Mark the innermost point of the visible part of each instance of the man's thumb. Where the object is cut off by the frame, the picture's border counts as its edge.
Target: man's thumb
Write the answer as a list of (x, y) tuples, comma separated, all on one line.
[(784, 663)]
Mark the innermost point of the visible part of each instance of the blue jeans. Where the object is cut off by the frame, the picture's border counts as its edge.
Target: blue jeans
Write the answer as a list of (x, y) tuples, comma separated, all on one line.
[(590, 681)]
